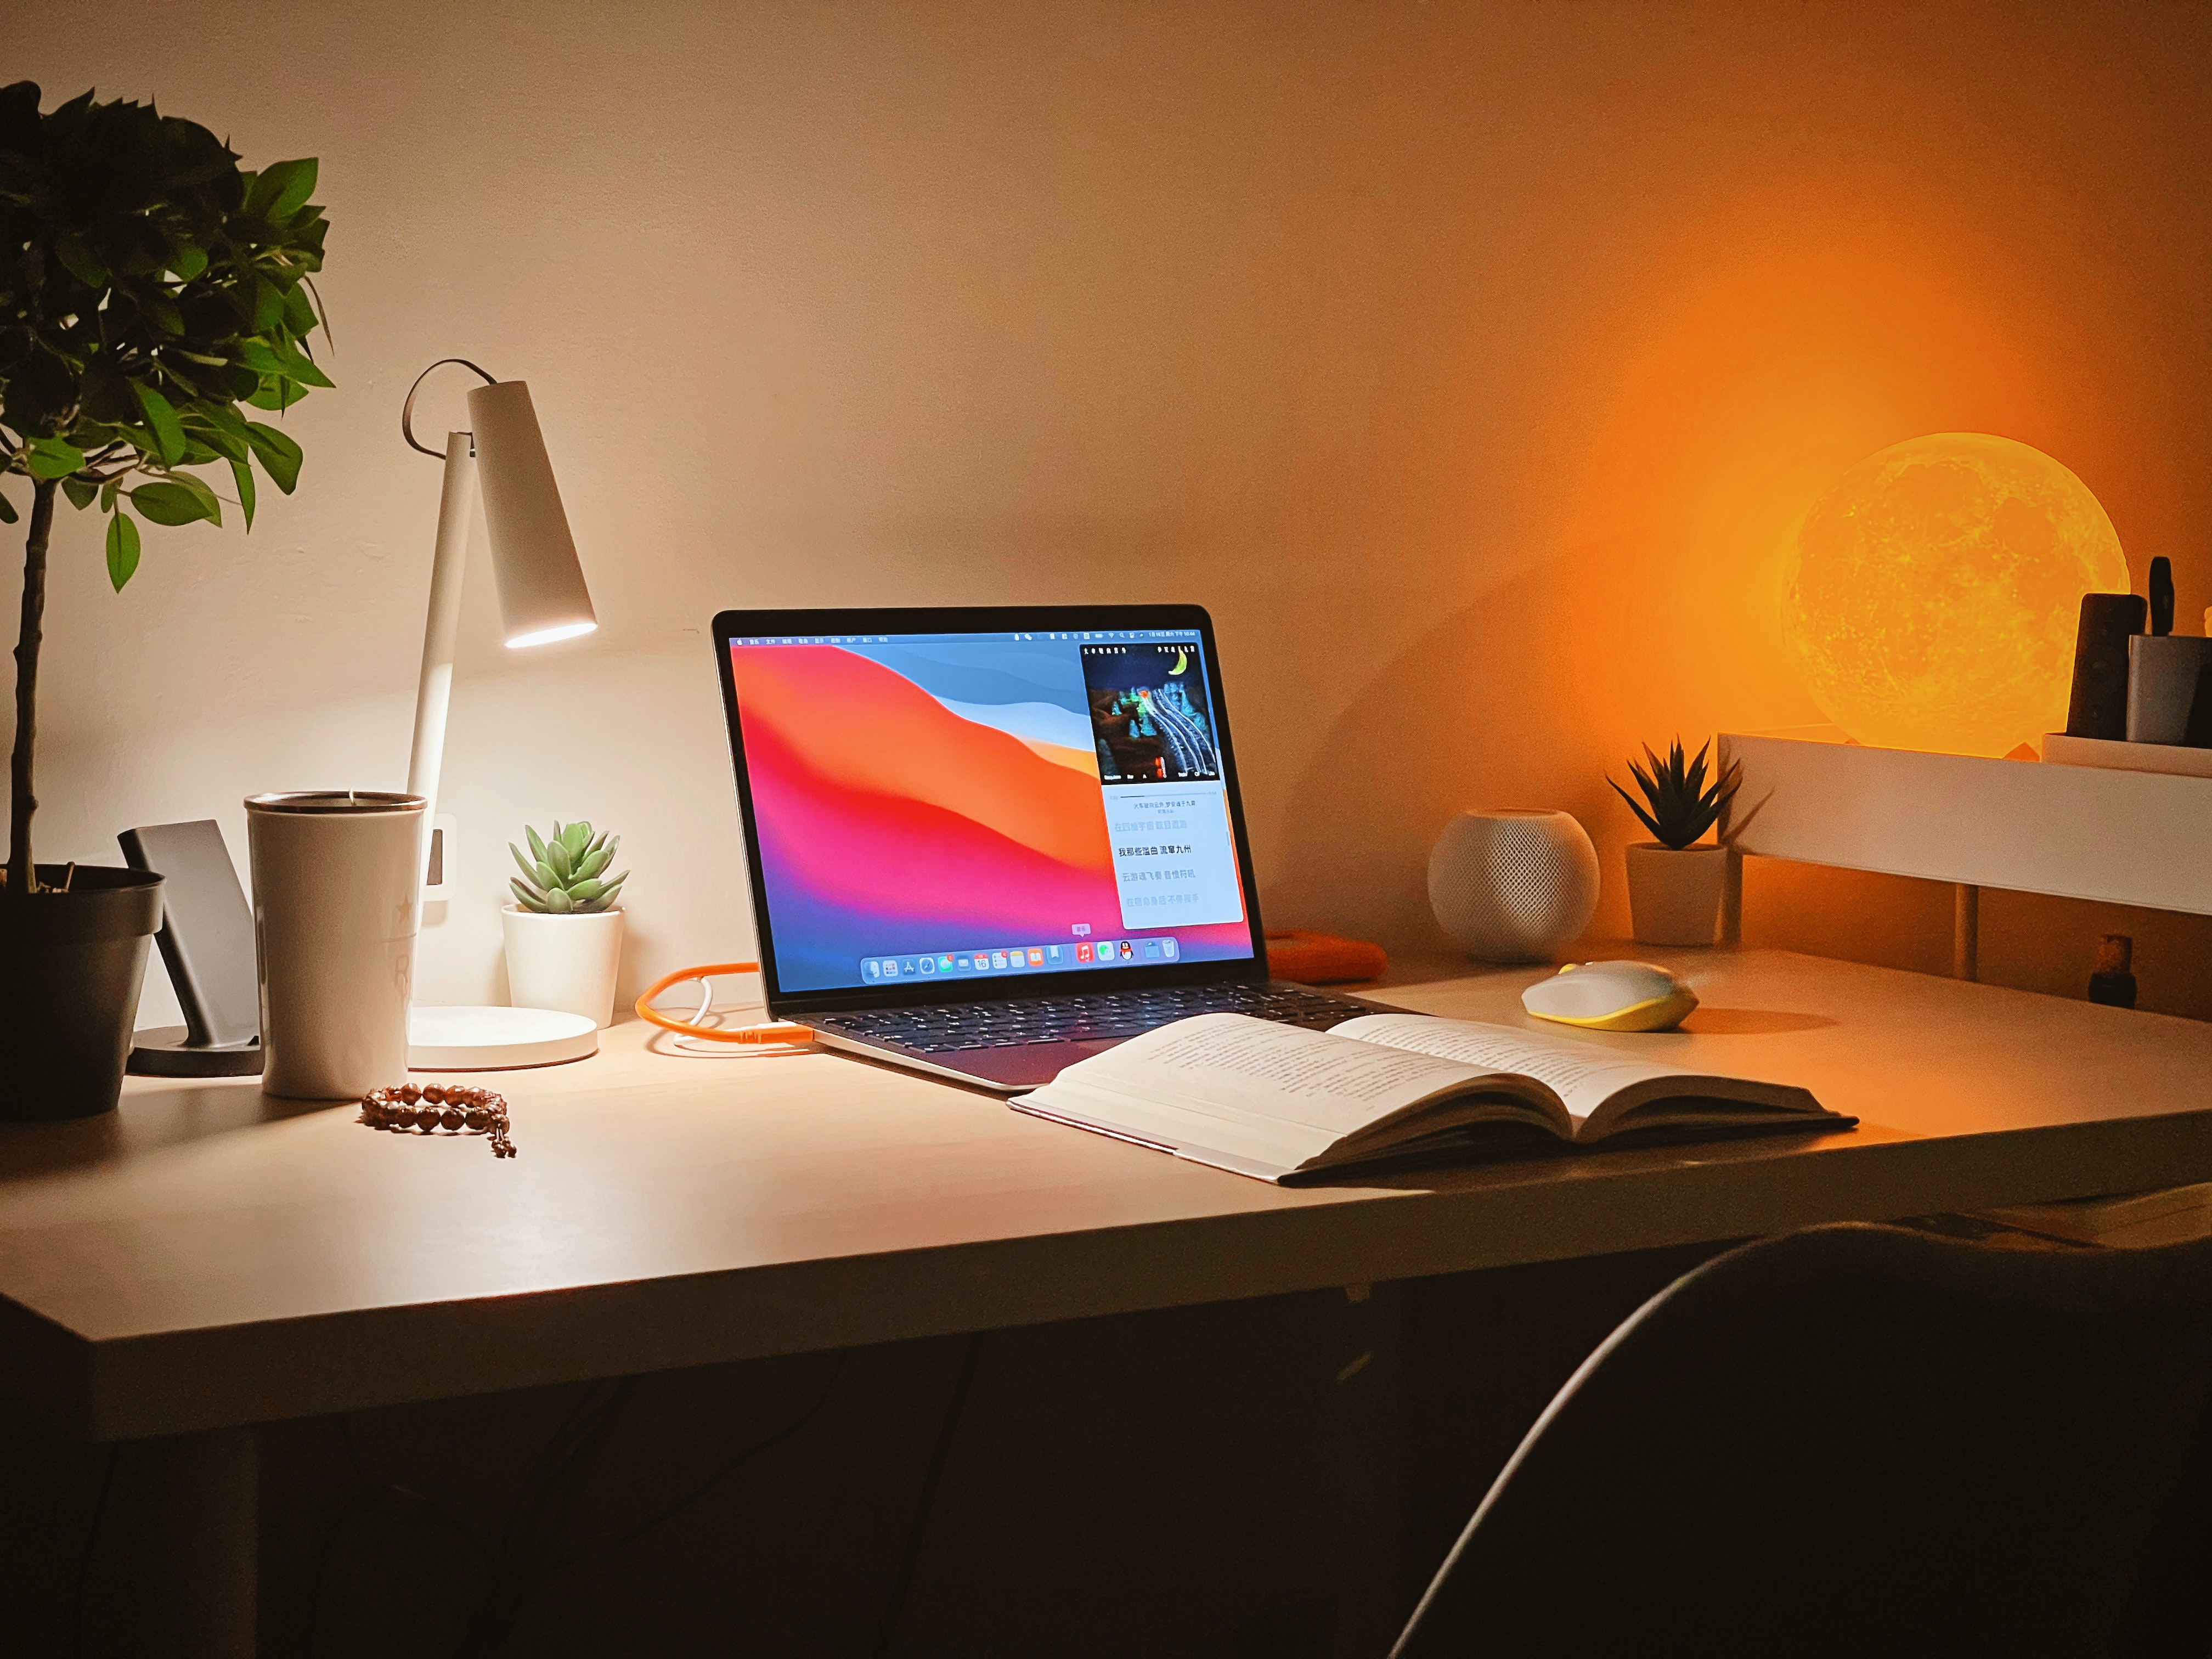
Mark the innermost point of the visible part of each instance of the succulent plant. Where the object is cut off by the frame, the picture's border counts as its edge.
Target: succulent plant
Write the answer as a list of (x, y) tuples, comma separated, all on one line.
[(563, 872), (1678, 805)]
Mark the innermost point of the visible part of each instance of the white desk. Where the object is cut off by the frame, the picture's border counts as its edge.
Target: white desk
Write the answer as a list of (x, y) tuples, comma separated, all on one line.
[(206, 1258)]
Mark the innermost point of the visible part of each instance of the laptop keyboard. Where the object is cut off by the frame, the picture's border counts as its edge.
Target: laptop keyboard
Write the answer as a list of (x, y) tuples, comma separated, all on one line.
[(948, 1028)]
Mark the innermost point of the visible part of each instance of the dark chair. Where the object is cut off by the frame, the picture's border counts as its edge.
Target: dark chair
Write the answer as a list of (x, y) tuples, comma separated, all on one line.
[(1866, 1441)]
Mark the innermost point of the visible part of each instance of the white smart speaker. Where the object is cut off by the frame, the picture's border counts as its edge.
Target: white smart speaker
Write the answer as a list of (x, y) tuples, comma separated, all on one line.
[(1513, 886)]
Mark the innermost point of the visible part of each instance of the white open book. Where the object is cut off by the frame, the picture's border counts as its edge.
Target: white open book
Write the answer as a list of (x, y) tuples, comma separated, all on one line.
[(1279, 1102)]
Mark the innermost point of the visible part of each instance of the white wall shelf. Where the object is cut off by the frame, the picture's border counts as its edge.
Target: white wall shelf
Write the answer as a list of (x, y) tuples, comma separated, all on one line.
[(2124, 837)]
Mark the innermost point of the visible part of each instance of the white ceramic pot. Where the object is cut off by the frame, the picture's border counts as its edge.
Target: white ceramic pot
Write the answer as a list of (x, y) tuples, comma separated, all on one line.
[(1674, 896), (568, 962)]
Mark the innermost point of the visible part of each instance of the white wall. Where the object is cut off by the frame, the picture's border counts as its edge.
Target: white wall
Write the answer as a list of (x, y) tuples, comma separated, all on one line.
[(1471, 362)]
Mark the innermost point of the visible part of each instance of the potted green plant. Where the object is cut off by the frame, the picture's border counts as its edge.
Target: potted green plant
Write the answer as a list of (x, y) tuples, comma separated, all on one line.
[(149, 287), (564, 930), (1675, 885)]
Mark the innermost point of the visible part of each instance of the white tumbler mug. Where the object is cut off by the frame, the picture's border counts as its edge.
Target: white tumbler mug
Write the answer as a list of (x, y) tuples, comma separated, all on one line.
[(336, 884)]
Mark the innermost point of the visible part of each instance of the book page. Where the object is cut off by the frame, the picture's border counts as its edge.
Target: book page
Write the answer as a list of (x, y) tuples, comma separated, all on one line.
[(1583, 1075), (1235, 1064), (1605, 1089), (1269, 1093)]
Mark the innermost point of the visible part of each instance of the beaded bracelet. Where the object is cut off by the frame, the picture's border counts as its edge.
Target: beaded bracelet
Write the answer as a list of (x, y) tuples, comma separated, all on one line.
[(452, 1107)]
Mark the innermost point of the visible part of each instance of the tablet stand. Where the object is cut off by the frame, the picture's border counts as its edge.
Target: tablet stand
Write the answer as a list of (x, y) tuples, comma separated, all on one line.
[(207, 944)]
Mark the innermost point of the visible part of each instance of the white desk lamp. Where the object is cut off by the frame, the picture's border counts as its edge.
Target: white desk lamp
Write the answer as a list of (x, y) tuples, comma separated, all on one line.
[(542, 599)]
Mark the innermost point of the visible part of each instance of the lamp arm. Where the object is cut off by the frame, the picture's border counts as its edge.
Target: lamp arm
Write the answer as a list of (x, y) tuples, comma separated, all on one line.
[(434, 691)]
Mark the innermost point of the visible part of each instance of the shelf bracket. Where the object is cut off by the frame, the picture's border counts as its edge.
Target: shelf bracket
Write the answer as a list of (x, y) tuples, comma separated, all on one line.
[(1966, 930)]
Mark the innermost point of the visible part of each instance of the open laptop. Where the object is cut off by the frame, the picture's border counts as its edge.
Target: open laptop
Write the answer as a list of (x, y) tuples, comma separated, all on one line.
[(985, 843)]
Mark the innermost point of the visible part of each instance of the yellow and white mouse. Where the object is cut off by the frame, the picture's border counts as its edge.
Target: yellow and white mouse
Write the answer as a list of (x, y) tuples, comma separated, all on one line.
[(1611, 996)]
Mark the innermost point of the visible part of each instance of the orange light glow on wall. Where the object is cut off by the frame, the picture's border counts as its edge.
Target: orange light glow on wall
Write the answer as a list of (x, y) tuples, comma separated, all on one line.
[(1933, 594)]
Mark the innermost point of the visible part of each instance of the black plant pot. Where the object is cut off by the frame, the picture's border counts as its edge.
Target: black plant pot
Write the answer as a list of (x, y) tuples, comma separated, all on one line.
[(70, 966)]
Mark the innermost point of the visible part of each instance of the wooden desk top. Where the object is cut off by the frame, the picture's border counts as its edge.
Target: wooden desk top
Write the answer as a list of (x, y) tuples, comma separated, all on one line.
[(206, 1257)]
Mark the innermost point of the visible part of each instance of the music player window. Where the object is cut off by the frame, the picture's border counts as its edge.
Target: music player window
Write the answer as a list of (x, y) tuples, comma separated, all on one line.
[(1167, 811)]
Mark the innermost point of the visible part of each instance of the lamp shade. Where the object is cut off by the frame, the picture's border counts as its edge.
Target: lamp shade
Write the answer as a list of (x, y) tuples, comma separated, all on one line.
[(541, 596)]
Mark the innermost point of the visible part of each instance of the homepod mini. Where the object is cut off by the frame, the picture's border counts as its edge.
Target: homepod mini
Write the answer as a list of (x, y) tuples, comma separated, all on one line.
[(1513, 884)]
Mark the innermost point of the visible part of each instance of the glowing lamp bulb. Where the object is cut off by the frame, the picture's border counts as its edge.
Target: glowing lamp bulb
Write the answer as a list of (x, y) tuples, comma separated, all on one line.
[(548, 636), (1932, 597)]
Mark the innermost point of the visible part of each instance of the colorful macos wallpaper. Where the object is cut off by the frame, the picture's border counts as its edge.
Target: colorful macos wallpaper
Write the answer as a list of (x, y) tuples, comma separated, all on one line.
[(932, 806)]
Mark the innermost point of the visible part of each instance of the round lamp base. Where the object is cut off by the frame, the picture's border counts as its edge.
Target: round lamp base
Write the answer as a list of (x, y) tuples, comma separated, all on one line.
[(496, 1039)]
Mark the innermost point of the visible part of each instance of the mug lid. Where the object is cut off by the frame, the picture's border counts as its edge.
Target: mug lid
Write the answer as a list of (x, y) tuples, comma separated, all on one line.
[(336, 801)]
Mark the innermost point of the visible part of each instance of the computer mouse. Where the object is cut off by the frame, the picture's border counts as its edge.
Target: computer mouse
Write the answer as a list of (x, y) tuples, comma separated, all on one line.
[(1611, 996)]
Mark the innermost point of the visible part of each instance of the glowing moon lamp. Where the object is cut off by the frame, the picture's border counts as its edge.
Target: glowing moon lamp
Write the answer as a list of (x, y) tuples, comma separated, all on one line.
[(1932, 597)]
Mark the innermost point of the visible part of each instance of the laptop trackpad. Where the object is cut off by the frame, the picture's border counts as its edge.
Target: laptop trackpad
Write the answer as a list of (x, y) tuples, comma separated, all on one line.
[(1025, 1066)]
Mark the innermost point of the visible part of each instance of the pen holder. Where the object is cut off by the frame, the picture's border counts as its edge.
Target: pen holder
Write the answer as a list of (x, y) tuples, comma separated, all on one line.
[(335, 888), (2164, 672)]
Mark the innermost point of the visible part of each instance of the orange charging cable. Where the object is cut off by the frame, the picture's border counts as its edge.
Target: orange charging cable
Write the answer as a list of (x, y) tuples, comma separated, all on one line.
[(775, 1031)]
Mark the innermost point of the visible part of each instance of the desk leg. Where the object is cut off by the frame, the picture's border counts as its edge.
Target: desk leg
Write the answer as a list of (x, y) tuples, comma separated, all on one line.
[(177, 1567)]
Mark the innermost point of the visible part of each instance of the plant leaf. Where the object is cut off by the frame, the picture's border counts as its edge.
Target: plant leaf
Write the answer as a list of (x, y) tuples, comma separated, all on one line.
[(201, 489), (557, 855), (575, 838), (204, 435), (122, 549), (178, 499), (322, 311), (242, 475), (592, 863), (529, 898), (610, 890), (280, 456), (298, 311), (187, 261), (77, 257), (258, 356), (1645, 782), (50, 457), (268, 305), (81, 492), (558, 901), (6, 511), (301, 368), (162, 417), (1647, 820), (283, 189), (276, 393)]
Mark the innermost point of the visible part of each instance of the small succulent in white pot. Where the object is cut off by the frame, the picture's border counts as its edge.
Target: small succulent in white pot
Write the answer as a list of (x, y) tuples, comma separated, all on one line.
[(1675, 886), (564, 930)]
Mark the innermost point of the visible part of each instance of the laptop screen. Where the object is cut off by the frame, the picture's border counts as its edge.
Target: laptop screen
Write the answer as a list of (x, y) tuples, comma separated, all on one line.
[(984, 807)]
